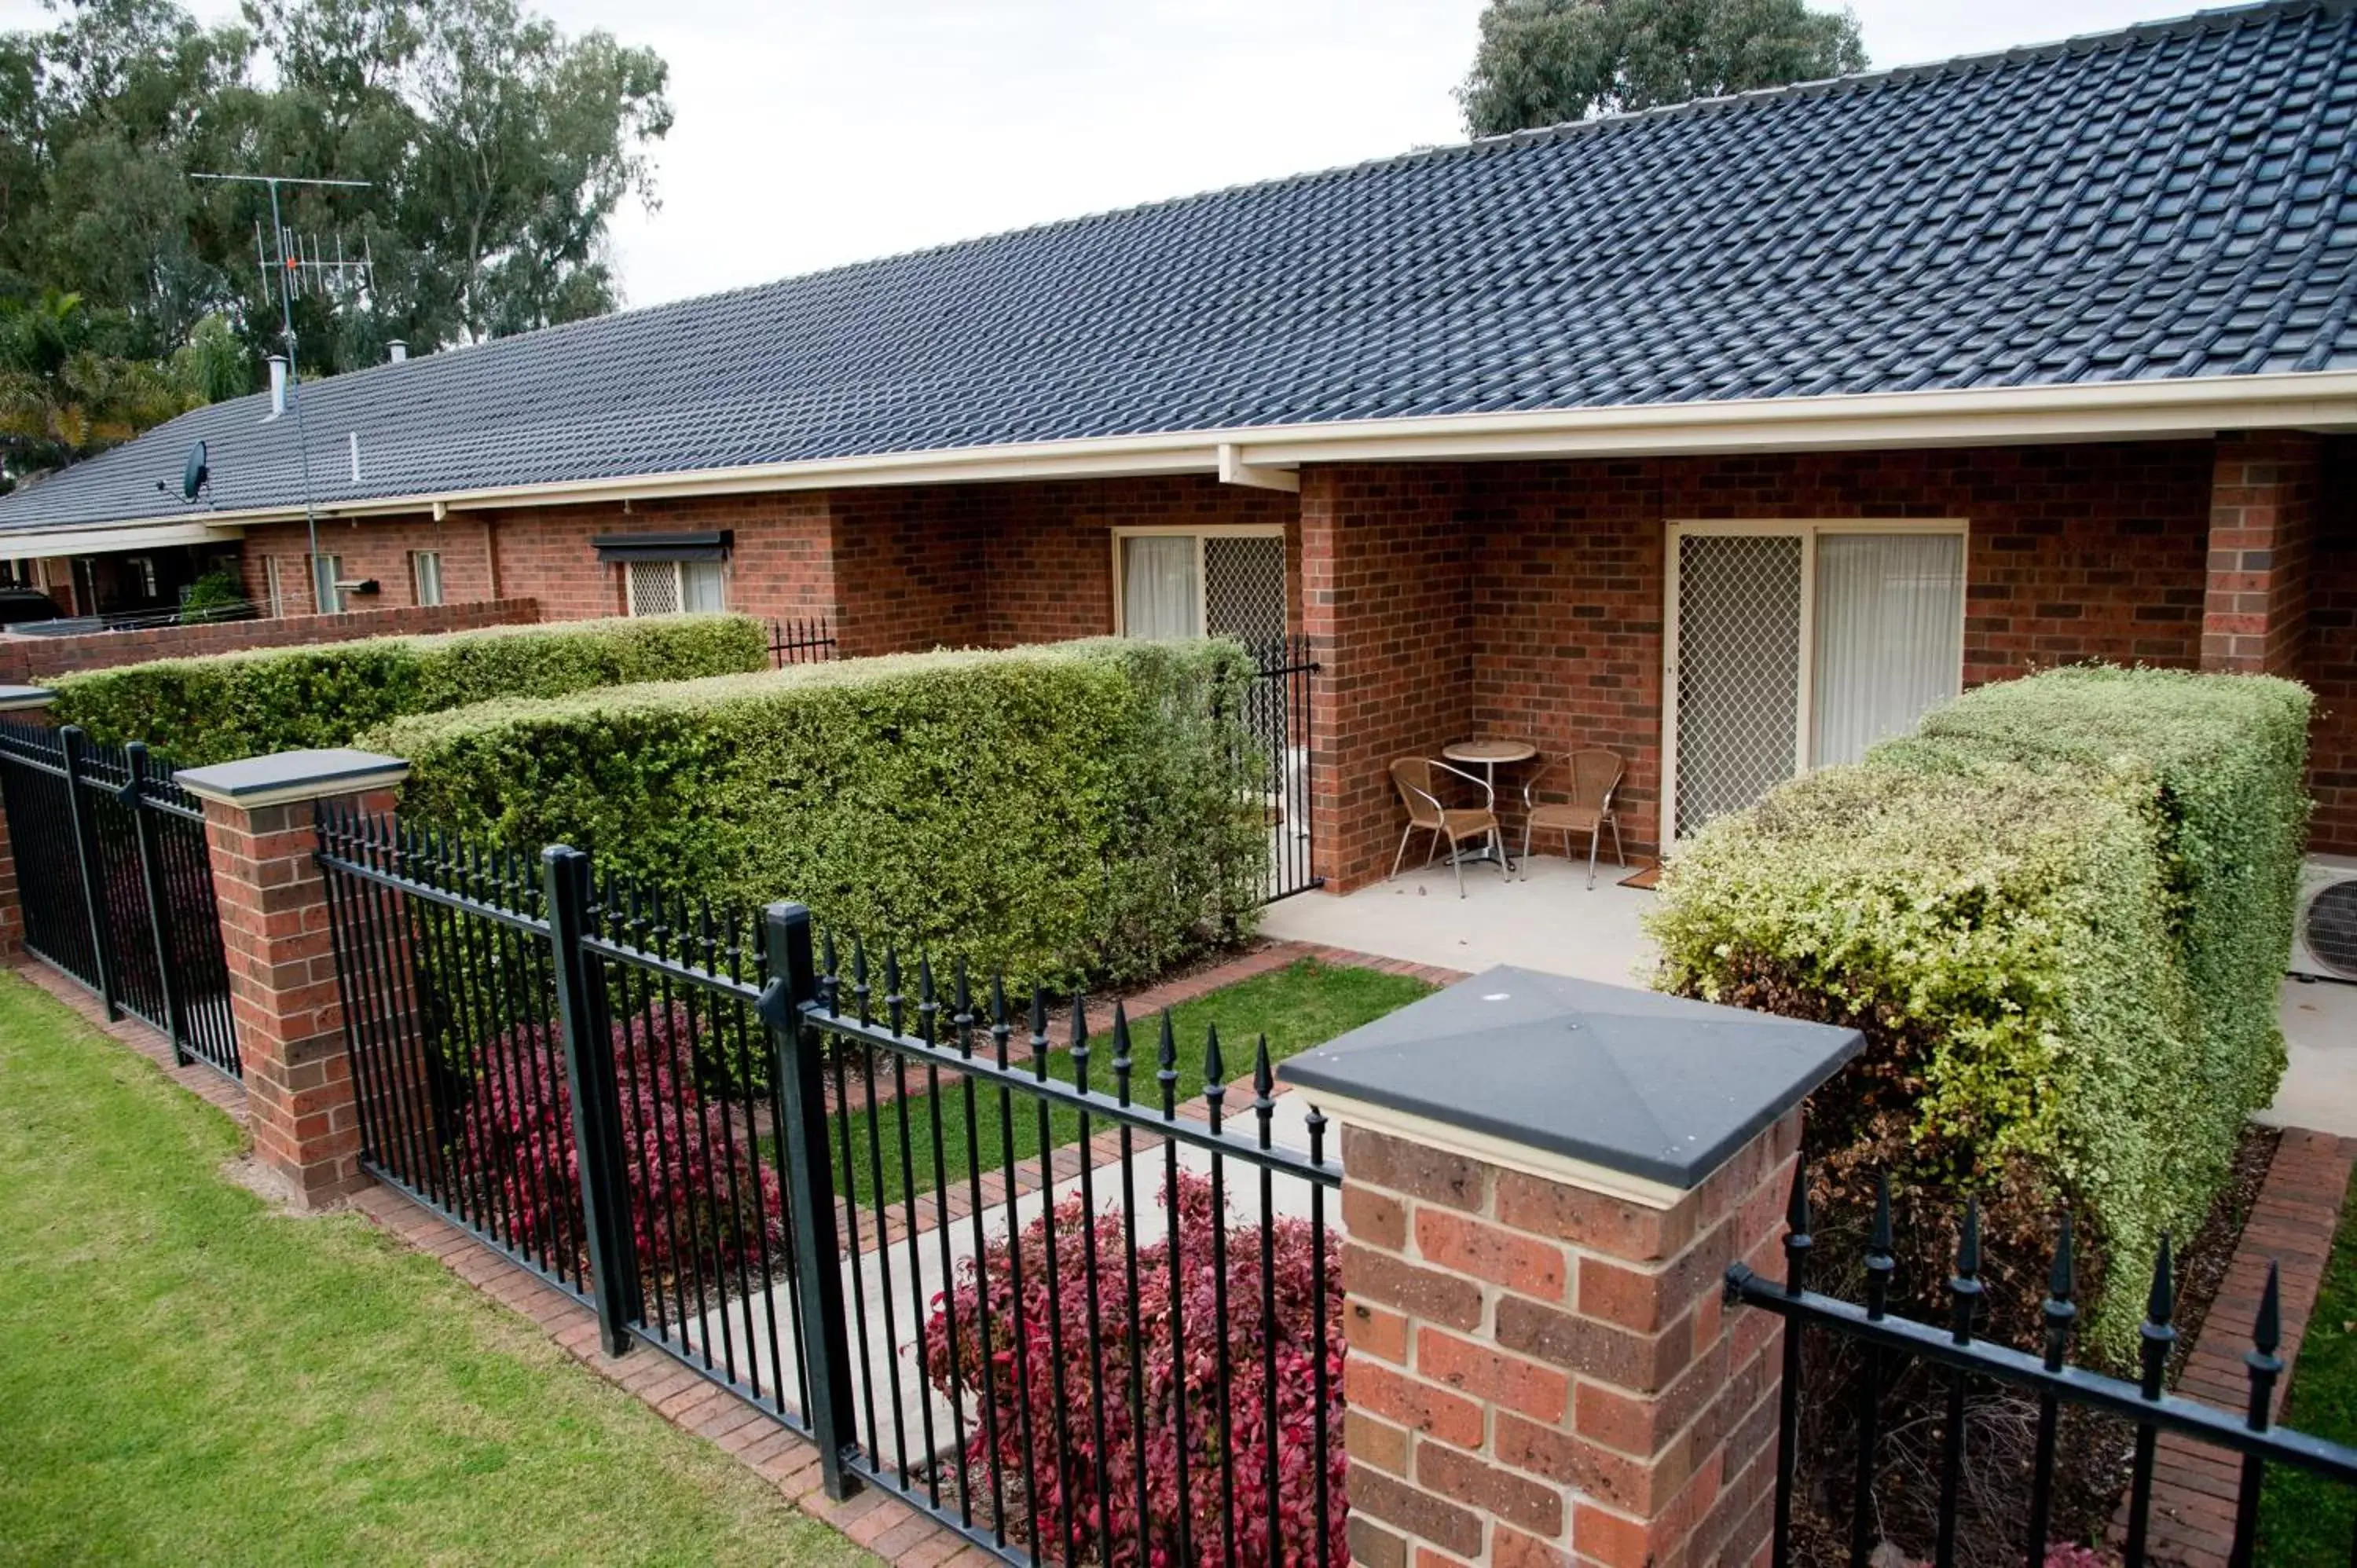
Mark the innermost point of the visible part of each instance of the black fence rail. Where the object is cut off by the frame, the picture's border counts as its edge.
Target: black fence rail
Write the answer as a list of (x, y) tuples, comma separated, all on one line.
[(1278, 715), (810, 641), (1075, 1297), (1890, 1344), (116, 883)]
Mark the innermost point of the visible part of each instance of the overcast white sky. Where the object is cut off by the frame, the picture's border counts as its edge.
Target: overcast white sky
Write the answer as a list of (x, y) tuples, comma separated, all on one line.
[(817, 132)]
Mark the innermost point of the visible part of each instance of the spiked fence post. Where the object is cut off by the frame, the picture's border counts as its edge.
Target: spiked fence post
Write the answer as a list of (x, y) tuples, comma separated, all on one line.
[(809, 1182), (2264, 1366), (1965, 1300), (2156, 1339), (2059, 1314), (1879, 1265), (596, 1099)]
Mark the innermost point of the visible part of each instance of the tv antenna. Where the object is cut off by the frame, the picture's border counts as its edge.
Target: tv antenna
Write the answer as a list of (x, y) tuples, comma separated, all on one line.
[(292, 271)]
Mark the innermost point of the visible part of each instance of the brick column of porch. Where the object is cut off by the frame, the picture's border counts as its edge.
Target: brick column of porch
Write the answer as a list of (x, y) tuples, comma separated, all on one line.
[(1541, 1370), (2262, 502), (260, 825), (25, 704)]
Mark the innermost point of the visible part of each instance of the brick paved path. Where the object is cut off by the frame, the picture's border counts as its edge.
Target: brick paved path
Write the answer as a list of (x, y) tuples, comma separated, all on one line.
[(2292, 1225)]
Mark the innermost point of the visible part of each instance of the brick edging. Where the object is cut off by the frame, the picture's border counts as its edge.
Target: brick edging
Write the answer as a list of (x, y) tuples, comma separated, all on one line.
[(2291, 1225)]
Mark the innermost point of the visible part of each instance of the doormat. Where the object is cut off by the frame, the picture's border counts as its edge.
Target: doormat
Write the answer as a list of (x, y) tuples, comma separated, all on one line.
[(1647, 876)]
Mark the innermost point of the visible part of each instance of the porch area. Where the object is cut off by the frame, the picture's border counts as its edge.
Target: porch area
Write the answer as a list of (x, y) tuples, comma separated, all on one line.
[(1554, 923)]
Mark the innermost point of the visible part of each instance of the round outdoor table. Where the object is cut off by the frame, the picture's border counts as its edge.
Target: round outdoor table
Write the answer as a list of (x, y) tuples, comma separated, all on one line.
[(1487, 755)]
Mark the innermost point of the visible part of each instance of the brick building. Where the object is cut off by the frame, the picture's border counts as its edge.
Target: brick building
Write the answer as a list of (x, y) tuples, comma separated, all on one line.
[(1729, 436)]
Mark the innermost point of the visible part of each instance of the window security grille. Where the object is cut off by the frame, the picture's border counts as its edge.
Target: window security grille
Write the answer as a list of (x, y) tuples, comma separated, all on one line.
[(675, 588), (1243, 588)]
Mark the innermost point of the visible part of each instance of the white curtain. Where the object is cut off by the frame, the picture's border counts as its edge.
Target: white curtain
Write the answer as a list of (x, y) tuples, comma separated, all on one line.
[(1158, 593), (702, 586), (1890, 636)]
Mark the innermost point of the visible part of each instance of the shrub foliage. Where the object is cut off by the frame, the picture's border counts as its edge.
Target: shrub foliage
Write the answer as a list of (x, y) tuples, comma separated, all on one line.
[(702, 1206), (1051, 813), (2059, 914), (229, 705), (1022, 1372)]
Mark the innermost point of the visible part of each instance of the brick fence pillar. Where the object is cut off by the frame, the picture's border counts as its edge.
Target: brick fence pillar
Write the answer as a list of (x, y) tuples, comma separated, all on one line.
[(1544, 1181), (259, 821), (25, 704), (2263, 493)]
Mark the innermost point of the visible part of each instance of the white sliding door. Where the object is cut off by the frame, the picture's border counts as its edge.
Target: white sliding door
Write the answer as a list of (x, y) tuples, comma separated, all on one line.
[(1797, 645)]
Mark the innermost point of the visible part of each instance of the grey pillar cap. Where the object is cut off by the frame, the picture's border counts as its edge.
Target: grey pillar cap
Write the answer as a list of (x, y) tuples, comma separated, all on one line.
[(256, 782), (19, 699), (1632, 1090)]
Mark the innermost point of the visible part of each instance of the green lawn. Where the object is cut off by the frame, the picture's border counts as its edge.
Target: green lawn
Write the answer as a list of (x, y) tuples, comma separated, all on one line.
[(1304, 1004), (2304, 1519), (187, 1377)]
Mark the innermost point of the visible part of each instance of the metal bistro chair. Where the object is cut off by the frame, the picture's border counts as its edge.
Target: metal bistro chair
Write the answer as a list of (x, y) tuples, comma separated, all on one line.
[(1595, 775), (1413, 777)]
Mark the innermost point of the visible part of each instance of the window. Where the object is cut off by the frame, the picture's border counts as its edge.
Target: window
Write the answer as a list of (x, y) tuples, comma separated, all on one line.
[(325, 570), (275, 586), (426, 576), (143, 569), (675, 588), (1216, 583)]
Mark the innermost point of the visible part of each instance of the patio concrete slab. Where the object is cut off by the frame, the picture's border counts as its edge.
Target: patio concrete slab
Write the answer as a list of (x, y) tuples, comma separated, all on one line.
[(1553, 922), (2319, 1091)]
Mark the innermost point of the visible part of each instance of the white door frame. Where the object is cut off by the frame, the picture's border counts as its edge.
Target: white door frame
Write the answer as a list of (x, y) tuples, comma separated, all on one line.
[(1200, 532), (1808, 531)]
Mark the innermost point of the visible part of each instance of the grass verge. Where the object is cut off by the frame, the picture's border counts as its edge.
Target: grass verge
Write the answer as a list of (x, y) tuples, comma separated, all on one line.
[(187, 1376), (2304, 1520), (1303, 1004)]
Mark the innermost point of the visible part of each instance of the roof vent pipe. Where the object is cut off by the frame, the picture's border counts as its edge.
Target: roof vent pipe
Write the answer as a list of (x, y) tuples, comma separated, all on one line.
[(278, 385), (396, 351)]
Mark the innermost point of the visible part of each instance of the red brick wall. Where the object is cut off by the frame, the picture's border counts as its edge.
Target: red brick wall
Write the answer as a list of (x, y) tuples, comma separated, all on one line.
[(780, 565), (909, 569), (2330, 665), (2262, 525), (32, 660), (1567, 587), (1386, 569), (373, 547), (2075, 553), (1050, 546)]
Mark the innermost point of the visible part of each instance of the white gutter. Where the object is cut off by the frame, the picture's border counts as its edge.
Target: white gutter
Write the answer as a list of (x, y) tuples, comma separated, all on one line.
[(1267, 455)]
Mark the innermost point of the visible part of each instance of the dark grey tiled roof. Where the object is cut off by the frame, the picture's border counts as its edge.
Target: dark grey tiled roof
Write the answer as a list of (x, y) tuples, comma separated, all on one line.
[(2173, 201)]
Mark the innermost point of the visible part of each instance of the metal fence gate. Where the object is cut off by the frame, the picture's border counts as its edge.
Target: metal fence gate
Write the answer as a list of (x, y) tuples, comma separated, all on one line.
[(116, 884), (885, 1208), (1277, 714)]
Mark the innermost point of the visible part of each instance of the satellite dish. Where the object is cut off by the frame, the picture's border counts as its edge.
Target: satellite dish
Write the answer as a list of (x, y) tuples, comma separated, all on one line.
[(194, 477)]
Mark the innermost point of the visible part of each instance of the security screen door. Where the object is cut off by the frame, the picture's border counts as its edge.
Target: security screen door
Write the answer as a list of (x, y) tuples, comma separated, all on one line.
[(1198, 584), (1800, 645)]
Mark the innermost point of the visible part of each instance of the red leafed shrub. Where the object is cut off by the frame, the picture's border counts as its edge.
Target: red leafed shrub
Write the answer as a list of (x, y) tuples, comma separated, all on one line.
[(1065, 1496), (700, 1200)]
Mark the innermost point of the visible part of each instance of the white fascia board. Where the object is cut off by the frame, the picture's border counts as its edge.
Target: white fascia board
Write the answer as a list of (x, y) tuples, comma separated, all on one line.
[(2322, 400), (113, 538)]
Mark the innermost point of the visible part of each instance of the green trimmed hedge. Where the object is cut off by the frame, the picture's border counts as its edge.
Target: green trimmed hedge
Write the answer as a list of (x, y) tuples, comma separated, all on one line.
[(1059, 813), (2060, 915), (229, 705)]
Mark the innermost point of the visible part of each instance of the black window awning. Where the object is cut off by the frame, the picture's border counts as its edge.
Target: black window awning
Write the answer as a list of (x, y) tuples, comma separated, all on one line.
[(710, 545)]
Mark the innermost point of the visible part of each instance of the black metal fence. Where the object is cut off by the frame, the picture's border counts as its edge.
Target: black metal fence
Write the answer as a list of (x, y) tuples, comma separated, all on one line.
[(116, 884), (808, 641), (1049, 1287), (1277, 714), (1889, 1345)]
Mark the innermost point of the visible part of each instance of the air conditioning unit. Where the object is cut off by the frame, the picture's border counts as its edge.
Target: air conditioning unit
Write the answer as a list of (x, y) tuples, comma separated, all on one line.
[(2324, 937)]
